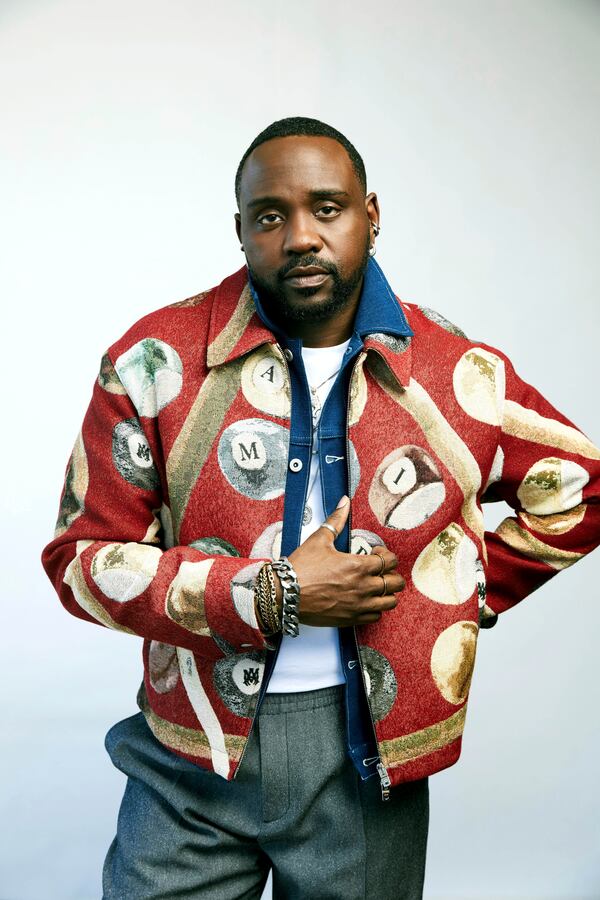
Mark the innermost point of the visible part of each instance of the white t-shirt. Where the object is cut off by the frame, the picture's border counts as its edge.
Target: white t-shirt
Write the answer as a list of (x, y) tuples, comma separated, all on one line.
[(312, 659)]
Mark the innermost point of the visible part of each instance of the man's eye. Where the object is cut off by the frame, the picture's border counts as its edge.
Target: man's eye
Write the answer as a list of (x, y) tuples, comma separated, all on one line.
[(270, 216), (333, 209)]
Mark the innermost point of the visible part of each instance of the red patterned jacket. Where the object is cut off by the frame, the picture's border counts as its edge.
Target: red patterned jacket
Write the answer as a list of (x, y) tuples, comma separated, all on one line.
[(155, 537)]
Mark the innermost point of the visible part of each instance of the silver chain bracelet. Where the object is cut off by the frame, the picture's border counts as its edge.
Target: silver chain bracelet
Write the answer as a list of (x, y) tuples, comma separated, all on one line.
[(291, 595)]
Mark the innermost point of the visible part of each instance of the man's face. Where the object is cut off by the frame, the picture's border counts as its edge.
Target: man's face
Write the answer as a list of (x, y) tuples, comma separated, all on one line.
[(301, 204)]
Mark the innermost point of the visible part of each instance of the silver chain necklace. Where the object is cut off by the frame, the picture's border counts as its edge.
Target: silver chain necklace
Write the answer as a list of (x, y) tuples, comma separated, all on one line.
[(307, 515), (315, 401), (316, 415)]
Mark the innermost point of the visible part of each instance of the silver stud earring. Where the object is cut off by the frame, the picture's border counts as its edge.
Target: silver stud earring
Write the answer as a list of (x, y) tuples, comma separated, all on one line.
[(376, 230)]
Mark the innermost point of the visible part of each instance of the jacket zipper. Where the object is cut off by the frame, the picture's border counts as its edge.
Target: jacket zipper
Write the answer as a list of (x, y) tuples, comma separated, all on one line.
[(384, 778), (263, 687)]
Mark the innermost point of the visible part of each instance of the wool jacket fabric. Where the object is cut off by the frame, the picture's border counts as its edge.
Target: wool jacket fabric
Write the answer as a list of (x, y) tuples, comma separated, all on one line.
[(174, 497)]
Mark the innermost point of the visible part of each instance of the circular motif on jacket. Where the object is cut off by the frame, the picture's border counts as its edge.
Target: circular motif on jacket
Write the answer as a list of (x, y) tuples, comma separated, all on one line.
[(479, 385), (268, 543), (72, 503), (552, 485), (453, 659), (124, 571), (151, 371), (132, 455), (214, 546), (362, 541), (252, 454), (242, 591), (480, 583), (163, 667), (446, 570), (184, 597), (486, 616), (264, 382), (496, 469), (237, 680), (357, 394), (353, 470), (407, 488), (380, 680), (559, 523), (108, 378)]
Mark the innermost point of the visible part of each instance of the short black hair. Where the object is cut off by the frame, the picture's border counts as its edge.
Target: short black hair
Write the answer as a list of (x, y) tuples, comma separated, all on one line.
[(300, 126)]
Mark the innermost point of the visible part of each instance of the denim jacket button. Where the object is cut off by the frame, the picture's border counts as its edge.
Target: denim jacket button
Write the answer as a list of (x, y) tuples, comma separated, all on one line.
[(295, 464)]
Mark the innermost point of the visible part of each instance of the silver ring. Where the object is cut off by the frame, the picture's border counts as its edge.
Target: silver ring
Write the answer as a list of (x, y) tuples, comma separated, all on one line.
[(385, 587), (331, 528)]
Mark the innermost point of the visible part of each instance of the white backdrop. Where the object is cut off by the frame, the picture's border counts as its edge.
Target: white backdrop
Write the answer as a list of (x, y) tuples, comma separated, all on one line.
[(122, 124)]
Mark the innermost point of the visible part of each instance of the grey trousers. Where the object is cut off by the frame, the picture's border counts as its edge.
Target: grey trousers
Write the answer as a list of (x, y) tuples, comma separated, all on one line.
[(297, 806)]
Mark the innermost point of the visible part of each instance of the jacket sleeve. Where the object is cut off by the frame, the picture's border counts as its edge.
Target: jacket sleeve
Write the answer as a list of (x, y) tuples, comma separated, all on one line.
[(548, 471), (111, 560)]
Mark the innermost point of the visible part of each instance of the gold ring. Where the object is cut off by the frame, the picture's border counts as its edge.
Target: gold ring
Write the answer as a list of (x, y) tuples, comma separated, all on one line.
[(385, 590), (382, 561)]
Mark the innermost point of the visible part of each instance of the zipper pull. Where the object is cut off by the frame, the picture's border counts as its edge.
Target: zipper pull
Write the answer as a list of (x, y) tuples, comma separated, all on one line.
[(385, 781)]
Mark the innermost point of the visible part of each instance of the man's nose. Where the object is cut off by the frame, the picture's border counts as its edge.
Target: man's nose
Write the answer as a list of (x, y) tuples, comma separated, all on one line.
[(302, 234)]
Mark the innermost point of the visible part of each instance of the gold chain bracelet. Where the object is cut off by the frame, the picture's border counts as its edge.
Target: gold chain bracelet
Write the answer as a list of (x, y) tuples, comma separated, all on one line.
[(266, 600)]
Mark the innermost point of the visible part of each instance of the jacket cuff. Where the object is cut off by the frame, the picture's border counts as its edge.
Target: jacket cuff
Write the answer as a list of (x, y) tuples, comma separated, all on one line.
[(229, 603)]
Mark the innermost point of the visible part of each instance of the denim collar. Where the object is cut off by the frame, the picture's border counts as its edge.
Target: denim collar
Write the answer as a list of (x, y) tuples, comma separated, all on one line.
[(239, 323), (378, 309)]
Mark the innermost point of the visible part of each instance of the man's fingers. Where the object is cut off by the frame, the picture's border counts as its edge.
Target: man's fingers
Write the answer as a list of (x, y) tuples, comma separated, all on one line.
[(337, 518), (376, 587), (368, 618), (390, 560), (377, 607)]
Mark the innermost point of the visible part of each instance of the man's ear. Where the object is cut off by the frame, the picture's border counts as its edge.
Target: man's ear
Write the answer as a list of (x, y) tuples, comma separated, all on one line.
[(238, 226), (372, 207)]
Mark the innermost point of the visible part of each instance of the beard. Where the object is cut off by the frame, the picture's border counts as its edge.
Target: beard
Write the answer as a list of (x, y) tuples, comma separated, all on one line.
[(281, 308)]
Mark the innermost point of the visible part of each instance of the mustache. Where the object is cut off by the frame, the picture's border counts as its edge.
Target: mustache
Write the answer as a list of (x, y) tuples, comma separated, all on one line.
[(310, 260)]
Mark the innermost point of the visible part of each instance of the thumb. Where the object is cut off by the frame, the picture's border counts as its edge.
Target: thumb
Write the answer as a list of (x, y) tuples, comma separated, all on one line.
[(338, 517)]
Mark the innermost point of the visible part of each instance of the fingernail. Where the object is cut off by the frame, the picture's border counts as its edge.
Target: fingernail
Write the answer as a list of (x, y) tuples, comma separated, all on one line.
[(342, 502)]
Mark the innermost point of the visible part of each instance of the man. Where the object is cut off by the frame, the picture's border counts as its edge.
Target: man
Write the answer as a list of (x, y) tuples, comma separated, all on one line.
[(300, 412)]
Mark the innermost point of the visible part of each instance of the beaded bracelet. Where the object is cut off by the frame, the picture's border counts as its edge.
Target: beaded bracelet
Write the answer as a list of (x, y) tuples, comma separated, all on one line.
[(291, 595)]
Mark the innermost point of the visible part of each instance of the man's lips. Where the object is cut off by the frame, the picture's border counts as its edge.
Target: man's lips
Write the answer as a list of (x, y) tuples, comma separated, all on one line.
[(306, 276)]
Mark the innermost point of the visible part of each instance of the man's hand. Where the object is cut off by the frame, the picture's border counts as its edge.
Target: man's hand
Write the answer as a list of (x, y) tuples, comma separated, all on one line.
[(339, 589)]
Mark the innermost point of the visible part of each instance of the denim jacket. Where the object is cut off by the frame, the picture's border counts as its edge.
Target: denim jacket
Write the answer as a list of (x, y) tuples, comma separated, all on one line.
[(378, 311)]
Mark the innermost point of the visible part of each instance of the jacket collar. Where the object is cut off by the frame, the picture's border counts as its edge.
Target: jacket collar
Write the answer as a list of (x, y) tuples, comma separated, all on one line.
[(239, 322), (382, 325)]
